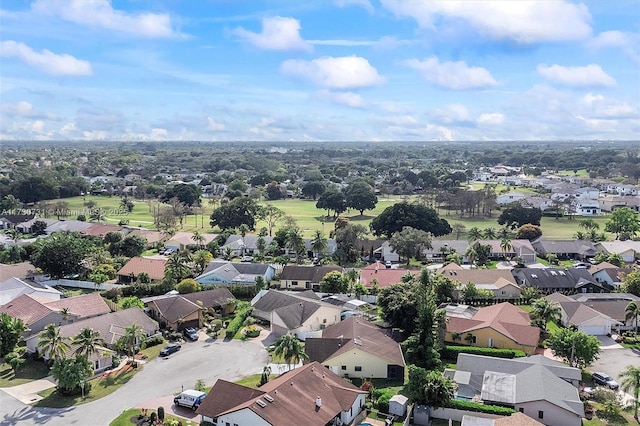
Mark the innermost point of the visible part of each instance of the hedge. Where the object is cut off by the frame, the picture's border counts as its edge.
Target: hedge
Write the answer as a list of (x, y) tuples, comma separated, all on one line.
[(237, 322), (480, 408), (451, 352)]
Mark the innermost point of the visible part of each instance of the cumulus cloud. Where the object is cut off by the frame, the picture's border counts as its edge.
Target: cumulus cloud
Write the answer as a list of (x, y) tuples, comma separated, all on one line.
[(349, 99), (628, 42), (346, 72), (25, 109), (591, 75), (214, 125), (599, 107), (452, 75), (454, 113), (278, 33), (491, 118), (45, 60), (524, 22), (101, 14)]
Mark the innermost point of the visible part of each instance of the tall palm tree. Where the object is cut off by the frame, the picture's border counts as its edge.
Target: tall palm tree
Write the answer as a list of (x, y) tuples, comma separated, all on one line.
[(471, 254), (87, 341), (295, 242), (52, 343), (631, 382), (177, 266), (198, 238), (201, 259), (506, 246), (474, 234), (489, 233), (319, 243), (632, 311), (133, 336), (543, 311), (289, 347)]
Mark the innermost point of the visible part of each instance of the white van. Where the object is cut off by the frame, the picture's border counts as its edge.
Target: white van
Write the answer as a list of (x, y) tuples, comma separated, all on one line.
[(190, 398)]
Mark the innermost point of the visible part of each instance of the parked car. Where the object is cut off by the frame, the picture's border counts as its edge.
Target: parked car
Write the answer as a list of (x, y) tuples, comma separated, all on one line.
[(189, 398), (604, 380), (170, 349), (387, 264), (246, 259), (191, 334)]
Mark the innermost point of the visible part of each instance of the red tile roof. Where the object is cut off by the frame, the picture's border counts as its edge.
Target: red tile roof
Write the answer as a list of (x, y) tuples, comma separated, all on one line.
[(26, 308), (384, 277), (153, 267), (101, 229), (87, 305)]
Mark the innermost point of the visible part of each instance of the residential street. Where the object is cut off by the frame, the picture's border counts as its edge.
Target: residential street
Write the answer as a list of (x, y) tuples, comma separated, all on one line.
[(205, 359)]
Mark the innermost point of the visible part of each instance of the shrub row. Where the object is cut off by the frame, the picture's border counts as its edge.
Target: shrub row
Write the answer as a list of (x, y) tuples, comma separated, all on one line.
[(451, 352), (480, 408), (237, 322), (153, 341)]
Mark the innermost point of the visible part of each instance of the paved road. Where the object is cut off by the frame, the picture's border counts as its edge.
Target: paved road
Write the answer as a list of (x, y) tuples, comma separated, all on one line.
[(205, 359), (613, 360)]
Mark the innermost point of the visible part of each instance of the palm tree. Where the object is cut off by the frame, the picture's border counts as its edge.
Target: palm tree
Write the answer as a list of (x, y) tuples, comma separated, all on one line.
[(198, 238), (631, 382), (52, 343), (295, 242), (11, 202), (201, 259), (632, 311), (506, 246), (543, 311), (471, 254), (177, 266), (133, 336), (474, 234), (290, 349), (489, 233), (87, 341), (319, 243)]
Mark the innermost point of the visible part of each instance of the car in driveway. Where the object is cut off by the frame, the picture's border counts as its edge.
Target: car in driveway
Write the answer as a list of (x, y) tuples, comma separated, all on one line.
[(170, 349), (191, 334), (603, 379), (190, 398)]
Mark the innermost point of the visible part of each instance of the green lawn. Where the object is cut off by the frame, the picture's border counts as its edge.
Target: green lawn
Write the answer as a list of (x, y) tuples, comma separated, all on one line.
[(29, 371), (100, 387), (125, 418)]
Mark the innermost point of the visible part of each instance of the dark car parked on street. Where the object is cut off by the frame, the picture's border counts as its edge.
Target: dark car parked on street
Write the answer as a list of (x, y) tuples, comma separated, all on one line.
[(170, 348)]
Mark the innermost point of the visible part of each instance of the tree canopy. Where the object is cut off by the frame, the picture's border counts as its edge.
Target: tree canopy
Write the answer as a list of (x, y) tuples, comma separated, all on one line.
[(187, 194), (360, 196), (241, 210), (515, 215), (410, 242), (577, 348), (61, 254), (416, 216), (624, 223)]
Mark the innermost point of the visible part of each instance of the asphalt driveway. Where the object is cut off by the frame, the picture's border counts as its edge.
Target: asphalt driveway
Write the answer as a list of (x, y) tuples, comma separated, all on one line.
[(205, 359)]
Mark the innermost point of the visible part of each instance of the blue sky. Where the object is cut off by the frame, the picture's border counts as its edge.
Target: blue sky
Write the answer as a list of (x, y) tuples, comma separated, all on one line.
[(368, 70)]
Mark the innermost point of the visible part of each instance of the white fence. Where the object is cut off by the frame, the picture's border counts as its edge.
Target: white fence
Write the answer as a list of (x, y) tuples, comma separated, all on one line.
[(81, 284), (457, 414)]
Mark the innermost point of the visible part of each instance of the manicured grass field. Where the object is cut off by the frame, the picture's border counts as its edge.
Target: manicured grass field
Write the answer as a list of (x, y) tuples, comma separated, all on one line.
[(31, 370), (309, 218)]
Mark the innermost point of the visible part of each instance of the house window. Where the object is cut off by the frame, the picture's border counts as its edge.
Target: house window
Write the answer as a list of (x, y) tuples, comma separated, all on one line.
[(307, 285), (521, 409), (344, 367), (324, 321), (358, 368), (541, 414), (503, 292), (295, 283)]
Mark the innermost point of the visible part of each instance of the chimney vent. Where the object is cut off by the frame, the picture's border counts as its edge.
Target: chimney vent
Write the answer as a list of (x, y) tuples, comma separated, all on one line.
[(318, 402)]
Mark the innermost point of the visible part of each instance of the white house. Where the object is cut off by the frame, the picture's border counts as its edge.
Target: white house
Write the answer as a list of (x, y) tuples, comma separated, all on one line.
[(510, 197)]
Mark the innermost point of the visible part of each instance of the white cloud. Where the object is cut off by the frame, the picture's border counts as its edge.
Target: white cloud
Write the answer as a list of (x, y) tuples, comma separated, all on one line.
[(454, 113), (366, 4), (491, 118), (101, 14), (587, 76), (599, 107), (278, 33), (45, 60), (159, 133), (25, 109), (214, 125), (628, 42), (452, 75), (349, 99), (521, 21), (347, 72)]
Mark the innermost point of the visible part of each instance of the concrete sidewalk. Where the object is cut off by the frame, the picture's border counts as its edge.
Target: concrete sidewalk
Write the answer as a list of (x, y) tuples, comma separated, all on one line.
[(28, 393)]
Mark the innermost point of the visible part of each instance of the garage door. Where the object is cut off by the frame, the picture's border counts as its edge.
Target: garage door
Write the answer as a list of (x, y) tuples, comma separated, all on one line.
[(595, 330), (189, 324)]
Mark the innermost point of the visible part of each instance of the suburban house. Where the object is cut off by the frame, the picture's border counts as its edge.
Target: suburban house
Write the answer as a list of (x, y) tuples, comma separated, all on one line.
[(628, 250), (610, 304), (541, 203), (605, 272), (310, 395), (519, 248), (300, 313), (247, 245), (111, 327), (564, 249), (67, 225), (100, 229), (499, 281), (235, 273), (567, 280), (33, 314), (137, 265), (581, 316), (183, 239), (180, 311), (516, 419), (610, 203), (152, 237), (383, 277), (539, 387), (13, 288), (502, 326), (20, 270), (588, 208), (27, 227), (440, 249), (510, 197), (8, 221), (305, 277), (357, 348)]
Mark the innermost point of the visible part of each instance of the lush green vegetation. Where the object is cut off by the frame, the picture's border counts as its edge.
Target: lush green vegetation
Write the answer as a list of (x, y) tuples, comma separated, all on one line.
[(125, 419), (29, 371), (452, 352)]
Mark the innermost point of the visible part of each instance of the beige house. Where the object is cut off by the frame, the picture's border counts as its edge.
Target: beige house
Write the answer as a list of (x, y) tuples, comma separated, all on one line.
[(298, 277), (357, 348)]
